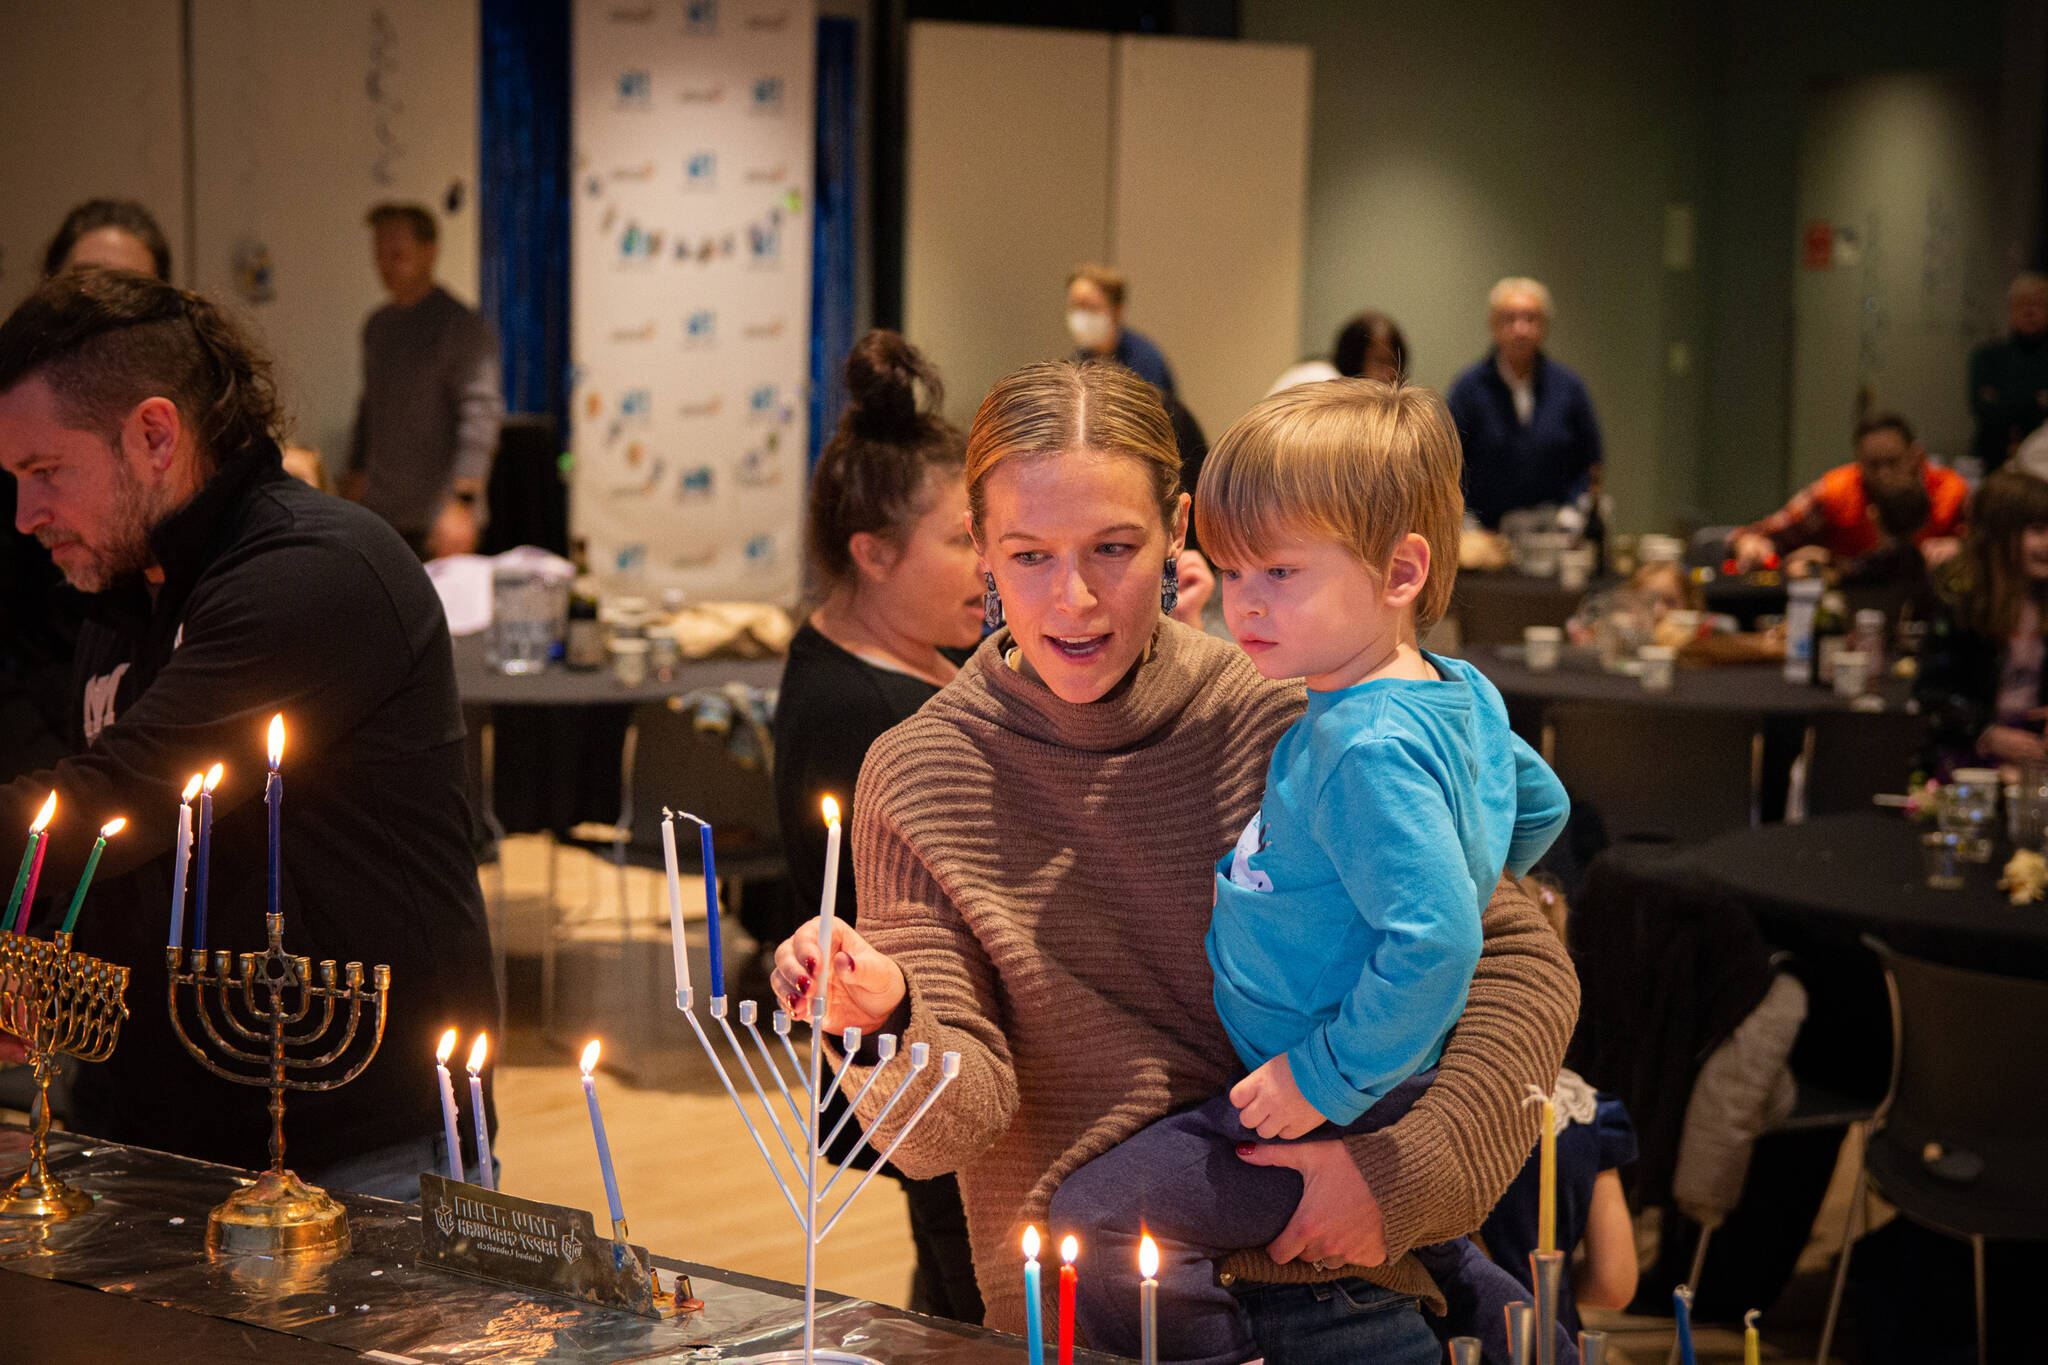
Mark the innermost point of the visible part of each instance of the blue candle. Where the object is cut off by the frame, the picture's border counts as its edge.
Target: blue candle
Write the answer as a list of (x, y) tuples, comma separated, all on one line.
[(1681, 1308), (273, 797), (486, 1174), (213, 776), (711, 909), (604, 1148), (448, 1105), (1034, 1320)]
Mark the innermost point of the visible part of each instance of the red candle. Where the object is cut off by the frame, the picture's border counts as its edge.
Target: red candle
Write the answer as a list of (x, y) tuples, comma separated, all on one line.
[(1069, 1249)]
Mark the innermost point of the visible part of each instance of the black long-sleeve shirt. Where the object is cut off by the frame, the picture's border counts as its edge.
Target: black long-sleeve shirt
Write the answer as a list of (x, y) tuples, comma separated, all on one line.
[(275, 599)]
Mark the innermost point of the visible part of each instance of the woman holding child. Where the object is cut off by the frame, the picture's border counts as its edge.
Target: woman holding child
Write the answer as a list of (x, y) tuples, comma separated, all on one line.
[(1036, 853)]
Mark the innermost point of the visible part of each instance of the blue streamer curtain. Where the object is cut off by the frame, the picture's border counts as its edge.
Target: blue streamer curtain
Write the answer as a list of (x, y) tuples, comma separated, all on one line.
[(524, 154), (524, 193), (832, 226)]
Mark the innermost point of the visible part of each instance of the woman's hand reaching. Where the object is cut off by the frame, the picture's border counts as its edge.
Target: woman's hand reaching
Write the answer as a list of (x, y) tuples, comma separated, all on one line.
[(1338, 1221), (867, 986)]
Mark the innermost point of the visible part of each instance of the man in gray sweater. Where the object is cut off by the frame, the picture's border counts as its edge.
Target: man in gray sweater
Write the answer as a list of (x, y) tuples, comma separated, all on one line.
[(427, 424)]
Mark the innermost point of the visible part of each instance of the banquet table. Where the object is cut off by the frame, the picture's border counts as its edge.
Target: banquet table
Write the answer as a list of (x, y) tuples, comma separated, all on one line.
[(1492, 607), (131, 1279), (1757, 689)]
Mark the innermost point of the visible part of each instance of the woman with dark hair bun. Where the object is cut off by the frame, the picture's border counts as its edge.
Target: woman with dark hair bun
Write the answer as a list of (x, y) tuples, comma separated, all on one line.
[(1368, 346), (113, 234), (899, 605)]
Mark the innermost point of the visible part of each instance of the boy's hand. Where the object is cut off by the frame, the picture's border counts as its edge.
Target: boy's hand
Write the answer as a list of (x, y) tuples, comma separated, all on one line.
[(1270, 1103)]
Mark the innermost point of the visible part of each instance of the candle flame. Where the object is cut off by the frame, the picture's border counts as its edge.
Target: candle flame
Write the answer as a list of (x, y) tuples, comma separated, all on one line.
[(276, 740), (43, 817), (589, 1062), (1148, 1257), (213, 777), (831, 811), (1069, 1249), (192, 787), (1031, 1242), (447, 1048), (478, 1051), (113, 827)]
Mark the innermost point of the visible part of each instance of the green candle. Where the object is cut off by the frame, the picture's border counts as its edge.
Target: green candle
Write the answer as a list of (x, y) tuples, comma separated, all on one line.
[(15, 914), (92, 863)]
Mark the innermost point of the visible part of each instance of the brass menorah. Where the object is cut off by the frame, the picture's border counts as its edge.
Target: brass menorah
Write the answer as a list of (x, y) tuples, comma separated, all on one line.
[(60, 1004), (268, 1001)]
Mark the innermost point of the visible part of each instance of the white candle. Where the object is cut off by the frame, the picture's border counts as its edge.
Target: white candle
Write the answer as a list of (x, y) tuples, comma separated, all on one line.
[(448, 1105), (485, 1176), (828, 909), (1148, 1301), (675, 907), (182, 859)]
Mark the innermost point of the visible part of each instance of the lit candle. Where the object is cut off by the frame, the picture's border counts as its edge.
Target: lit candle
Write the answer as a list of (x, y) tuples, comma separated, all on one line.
[(484, 1174), (1069, 1249), (828, 908), (448, 1120), (711, 909), (31, 866), (1148, 1301), (181, 859), (1752, 1340), (1034, 1309), (604, 1149), (1546, 1189), (273, 798), (92, 865), (213, 776), (675, 904)]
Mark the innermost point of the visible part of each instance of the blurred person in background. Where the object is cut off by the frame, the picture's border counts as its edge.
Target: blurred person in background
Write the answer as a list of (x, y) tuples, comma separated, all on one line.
[(1095, 319), (427, 423), (1369, 346), (1526, 421), (1838, 512), (2009, 376)]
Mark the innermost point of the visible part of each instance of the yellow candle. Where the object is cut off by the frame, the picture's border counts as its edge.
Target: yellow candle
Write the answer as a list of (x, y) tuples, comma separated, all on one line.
[(1752, 1342), (1546, 1196)]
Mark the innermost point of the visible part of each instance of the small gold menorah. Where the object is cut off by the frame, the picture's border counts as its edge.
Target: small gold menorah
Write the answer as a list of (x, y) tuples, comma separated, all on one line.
[(60, 1004), (266, 1000)]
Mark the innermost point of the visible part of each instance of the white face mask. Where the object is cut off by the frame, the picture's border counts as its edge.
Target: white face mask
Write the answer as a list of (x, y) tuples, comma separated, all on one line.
[(1091, 329)]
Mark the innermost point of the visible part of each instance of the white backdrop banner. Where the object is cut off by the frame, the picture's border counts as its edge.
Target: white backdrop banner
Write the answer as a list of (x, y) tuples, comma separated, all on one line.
[(691, 240)]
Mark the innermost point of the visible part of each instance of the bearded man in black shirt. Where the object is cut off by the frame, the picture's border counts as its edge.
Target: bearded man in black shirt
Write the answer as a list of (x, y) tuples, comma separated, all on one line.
[(141, 425)]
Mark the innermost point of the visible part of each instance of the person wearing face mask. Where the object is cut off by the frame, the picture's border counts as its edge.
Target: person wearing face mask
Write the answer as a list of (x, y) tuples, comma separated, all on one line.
[(1526, 421), (1981, 685), (1035, 852), (1095, 319)]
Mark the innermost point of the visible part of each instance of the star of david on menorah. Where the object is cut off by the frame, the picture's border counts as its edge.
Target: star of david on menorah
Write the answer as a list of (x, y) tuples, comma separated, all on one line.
[(797, 1146), (269, 1019)]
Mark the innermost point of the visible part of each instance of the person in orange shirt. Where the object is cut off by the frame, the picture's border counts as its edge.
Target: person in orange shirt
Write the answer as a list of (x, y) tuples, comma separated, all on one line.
[(1835, 511)]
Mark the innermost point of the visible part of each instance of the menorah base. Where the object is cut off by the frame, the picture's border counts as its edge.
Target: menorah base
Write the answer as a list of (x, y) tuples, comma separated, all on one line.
[(278, 1215), (37, 1196)]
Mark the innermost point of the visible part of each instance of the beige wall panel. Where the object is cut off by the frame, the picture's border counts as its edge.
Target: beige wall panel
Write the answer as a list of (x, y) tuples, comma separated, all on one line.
[(89, 98), (304, 116), (1210, 184), (1008, 188)]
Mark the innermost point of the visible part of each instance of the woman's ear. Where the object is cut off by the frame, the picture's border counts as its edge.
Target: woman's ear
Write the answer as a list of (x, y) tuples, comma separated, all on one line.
[(974, 536), (1177, 528), (1407, 571), (873, 556)]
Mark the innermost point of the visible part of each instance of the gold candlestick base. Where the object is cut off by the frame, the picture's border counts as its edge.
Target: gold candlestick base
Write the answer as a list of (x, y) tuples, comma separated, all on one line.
[(278, 1214), (36, 1195)]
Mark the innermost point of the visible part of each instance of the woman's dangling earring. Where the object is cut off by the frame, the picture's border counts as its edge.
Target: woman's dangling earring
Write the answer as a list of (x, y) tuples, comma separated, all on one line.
[(991, 603), (1169, 586)]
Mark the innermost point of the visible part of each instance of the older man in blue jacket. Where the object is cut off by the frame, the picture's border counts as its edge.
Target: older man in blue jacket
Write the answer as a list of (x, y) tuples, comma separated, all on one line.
[(1526, 421)]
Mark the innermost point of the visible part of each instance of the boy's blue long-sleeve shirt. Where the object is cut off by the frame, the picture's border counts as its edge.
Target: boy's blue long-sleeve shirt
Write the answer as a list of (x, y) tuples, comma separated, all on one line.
[(1346, 926)]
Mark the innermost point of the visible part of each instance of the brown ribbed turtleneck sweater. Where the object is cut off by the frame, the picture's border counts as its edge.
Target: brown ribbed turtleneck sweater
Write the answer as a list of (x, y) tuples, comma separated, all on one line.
[(1041, 871)]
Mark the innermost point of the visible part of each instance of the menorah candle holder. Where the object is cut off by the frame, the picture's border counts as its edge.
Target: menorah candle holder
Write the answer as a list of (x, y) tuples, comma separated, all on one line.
[(800, 1144), (307, 1033), (59, 1003)]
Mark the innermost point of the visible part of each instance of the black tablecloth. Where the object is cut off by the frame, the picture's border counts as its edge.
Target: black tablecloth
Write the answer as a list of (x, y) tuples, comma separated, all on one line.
[(1493, 608), (482, 685), (52, 1323), (1758, 689)]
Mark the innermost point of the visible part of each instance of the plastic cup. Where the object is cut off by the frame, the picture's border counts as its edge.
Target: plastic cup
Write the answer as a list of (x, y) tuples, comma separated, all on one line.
[(1541, 645)]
